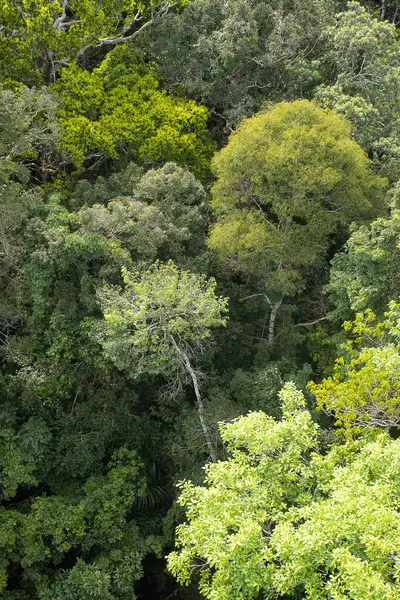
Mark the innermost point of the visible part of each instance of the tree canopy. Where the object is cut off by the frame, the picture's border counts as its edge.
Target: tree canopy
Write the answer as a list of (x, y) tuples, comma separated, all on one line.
[(288, 178), (279, 518), (199, 307)]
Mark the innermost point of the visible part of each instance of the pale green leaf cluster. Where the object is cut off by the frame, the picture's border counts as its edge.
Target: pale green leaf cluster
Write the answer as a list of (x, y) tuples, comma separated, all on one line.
[(162, 306), (279, 518)]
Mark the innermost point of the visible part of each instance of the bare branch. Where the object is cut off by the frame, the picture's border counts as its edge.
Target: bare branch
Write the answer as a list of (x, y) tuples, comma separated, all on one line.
[(311, 322), (200, 406)]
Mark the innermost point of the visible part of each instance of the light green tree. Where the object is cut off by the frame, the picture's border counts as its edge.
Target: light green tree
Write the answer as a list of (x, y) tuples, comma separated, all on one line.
[(287, 180), (364, 389), (280, 519), (160, 323)]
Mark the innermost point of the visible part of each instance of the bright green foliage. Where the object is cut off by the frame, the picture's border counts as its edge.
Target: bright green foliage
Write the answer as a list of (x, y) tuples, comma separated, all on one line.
[(278, 518), (37, 37), (234, 55), (366, 273), (288, 178), (157, 311), (364, 53), (365, 387), (119, 109)]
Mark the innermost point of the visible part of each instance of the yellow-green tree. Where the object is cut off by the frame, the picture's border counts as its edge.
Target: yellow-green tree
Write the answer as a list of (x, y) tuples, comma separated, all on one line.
[(364, 389), (287, 180), (119, 109)]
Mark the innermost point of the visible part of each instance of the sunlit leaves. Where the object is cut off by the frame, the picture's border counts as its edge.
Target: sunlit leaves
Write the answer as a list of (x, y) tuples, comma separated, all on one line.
[(278, 518), (156, 309), (288, 178)]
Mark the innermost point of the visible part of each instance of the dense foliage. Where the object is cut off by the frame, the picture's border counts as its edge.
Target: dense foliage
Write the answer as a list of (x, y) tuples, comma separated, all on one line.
[(199, 308)]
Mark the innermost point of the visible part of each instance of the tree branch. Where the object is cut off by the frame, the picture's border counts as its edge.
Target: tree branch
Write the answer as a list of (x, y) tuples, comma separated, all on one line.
[(163, 9), (311, 322), (200, 405)]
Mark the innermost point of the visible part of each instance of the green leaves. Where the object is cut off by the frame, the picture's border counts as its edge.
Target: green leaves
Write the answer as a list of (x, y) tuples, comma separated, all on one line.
[(278, 518), (162, 305), (365, 387), (119, 109), (96, 527)]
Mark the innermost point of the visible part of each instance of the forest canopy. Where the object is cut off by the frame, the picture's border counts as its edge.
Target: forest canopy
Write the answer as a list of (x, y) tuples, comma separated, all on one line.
[(199, 308)]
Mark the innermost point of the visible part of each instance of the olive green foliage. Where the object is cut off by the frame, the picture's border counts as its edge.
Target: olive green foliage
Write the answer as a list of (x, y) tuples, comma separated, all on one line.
[(288, 178), (278, 518), (234, 56), (363, 55), (365, 387), (118, 109), (365, 274), (157, 312)]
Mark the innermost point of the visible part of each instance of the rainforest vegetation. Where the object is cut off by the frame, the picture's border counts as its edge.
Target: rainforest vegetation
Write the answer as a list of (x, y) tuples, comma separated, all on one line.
[(200, 300)]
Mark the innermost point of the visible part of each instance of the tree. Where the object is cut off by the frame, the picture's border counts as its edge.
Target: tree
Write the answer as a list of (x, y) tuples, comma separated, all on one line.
[(160, 324), (118, 111), (363, 55), (280, 519), (37, 38), (288, 179), (233, 56), (364, 389)]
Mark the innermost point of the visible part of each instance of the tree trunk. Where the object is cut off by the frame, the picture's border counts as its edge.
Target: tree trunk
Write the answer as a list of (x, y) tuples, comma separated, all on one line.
[(200, 406), (272, 318)]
